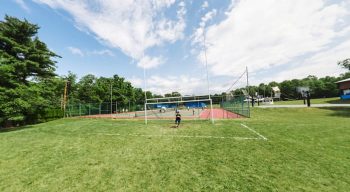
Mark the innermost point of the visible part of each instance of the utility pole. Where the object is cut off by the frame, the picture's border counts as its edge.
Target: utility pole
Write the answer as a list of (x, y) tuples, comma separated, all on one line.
[(145, 81), (65, 97), (248, 91), (111, 102), (206, 67)]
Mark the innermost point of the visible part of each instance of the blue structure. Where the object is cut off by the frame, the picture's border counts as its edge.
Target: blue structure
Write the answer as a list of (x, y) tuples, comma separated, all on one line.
[(195, 104), (166, 105), (344, 86), (345, 97), (175, 105)]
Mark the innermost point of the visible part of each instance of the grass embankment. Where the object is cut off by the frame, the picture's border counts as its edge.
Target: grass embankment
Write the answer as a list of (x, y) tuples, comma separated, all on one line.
[(334, 100), (307, 150)]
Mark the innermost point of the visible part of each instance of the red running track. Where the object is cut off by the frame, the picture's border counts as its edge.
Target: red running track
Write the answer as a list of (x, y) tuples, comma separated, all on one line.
[(219, 114)]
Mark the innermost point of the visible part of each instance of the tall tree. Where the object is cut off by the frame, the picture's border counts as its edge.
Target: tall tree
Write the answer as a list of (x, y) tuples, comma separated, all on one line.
[(25, 61), (22, 51), (345, 63), (87, 89)]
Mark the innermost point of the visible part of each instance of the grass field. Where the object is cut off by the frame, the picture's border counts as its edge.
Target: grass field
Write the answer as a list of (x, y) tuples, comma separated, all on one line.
[(307, 149), (333, 100)]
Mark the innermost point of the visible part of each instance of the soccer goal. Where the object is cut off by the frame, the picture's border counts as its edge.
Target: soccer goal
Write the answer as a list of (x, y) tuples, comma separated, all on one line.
[(190, 107)]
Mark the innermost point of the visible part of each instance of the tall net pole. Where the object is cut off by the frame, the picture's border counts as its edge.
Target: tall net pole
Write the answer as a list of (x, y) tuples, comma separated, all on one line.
[(144, 77), (111, 101), (206, 67), (248, 90), (65, 98)]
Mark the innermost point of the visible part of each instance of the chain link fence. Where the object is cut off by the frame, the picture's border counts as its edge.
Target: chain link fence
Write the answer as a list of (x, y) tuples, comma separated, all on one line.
[(238, 105), (104, 108)]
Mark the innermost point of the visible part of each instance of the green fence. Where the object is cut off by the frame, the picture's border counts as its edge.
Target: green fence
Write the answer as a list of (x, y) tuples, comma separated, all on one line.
[(86, 109), (238, 105)]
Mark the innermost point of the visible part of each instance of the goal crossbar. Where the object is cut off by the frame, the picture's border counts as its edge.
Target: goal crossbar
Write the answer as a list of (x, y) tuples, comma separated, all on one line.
[(183, 101), (180, 98)]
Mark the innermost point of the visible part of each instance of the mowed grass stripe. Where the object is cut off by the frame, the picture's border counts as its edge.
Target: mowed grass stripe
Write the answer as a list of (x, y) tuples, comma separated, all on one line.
[(307, 150)]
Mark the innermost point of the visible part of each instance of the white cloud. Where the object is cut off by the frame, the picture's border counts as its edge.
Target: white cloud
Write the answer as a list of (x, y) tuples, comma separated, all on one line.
[(260, 39), (184, 84), (198, 35), (131, 25), (173, 30), (150, 62), (23, 5), (136, 82), (102, 52), (208, 16), (321, 64), (76, 51), (205, 4)]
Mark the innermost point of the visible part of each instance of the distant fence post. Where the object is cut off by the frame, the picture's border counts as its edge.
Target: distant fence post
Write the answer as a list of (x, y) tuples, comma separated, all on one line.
[(89, 109), (99, 110)]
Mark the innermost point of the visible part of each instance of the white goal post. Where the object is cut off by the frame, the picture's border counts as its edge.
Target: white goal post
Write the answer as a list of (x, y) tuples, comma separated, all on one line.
[(190, 106)]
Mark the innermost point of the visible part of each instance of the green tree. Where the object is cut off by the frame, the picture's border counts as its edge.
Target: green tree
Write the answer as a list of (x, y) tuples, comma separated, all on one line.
[(25, 65), (86, 89), (345, 63), (24, 55), (175, 94)]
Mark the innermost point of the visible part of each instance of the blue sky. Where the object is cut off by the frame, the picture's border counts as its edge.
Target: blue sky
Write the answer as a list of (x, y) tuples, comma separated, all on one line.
[(275, 39)]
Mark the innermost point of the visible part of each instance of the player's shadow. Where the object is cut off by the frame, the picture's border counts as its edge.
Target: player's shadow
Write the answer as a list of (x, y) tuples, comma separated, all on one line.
[(174, 127), (10, 129)]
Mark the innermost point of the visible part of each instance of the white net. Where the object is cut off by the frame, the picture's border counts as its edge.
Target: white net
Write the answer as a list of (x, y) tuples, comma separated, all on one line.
[(190, 107)]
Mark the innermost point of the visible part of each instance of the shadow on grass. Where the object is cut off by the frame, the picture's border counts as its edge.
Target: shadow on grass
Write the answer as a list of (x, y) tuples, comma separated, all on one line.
[(338, 101), (338, 111), (10, 129)]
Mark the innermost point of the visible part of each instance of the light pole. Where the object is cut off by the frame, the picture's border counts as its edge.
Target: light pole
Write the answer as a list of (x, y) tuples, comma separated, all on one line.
[(206, 67), (111, 100)]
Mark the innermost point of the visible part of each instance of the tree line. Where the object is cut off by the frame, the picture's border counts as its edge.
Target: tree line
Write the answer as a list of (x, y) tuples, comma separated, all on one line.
[(319, 87), (31, 91)]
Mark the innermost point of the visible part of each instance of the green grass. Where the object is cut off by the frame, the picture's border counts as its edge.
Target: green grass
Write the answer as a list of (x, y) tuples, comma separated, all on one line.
[(307, 149), (334, 100)]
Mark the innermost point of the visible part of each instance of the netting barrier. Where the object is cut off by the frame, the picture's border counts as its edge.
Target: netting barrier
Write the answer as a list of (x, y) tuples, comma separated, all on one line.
[(104, 109), (238, 105), (237, 97)]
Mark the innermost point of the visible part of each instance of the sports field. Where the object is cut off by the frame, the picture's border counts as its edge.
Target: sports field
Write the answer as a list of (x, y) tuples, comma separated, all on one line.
[(333, 100), (304, 149)]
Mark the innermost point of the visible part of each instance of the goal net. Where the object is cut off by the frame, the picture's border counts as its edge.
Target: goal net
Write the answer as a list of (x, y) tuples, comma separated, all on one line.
[(190, 107)]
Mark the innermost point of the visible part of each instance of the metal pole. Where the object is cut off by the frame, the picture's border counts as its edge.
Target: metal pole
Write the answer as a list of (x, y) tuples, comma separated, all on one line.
[(211, 111), (222, 106), (99, 109), (144, 77), (65, 98), (248, 91), (79, 109), (206, 67), (111, 102)]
